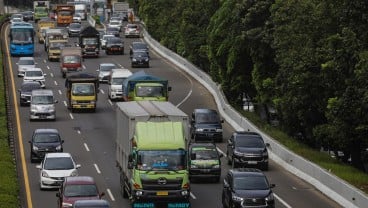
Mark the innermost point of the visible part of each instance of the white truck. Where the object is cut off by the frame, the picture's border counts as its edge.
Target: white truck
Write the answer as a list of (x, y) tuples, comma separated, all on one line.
[(121, 8), (115, 81), (151, 153)]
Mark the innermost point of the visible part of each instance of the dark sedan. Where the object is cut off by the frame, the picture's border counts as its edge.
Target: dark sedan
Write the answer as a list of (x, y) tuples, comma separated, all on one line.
[(27, 16), (139, 59), (114, 45), (113, 31), (25, 92), (44, 141)]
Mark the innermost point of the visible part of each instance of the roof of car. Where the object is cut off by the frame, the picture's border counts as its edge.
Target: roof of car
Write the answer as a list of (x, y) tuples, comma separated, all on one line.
[(79, 180), (31, 83), (42, 92), (107, 64), (46, 131), (246, 133), (57, 154), (246, 171), (204, 110), (91, 202), (26, 58), (203, 144)]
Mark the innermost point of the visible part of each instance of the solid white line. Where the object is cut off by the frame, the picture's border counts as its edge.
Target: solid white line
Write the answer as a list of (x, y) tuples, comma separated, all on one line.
[(110, 194), (55, 82), (192, 195), (60, 92), (282, 201), (71, 116), (97, 169), (85, 146)]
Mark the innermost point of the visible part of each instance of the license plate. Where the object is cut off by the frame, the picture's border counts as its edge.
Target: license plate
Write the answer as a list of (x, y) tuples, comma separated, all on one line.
[(162, 193), (252, 162), (206, 170)]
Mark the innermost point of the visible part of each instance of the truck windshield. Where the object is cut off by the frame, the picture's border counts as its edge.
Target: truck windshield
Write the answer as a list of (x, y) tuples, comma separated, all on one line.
[(65, 13), (161, 160), (149, 91), (83, 89), (89, 41), (117, 81), (71, 59)]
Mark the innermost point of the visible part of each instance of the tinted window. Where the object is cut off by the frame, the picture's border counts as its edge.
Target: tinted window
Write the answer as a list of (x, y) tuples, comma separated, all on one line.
[(203, 153), (42, 99), (140, 54), (107, 67), (246, 141), (46, 138), (33, 73), (140, 46), (132, 26), (31, 86), (80, 190), (207, 118), (26, 62), (58, 163), (250, 183), (75, 26)]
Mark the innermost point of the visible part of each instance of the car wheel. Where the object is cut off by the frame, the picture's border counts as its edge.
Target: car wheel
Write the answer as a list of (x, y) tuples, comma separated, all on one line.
[(32, 159), (223, 201)]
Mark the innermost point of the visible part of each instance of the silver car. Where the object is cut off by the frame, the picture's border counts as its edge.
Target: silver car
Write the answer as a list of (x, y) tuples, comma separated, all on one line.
[(42, 105), (23, 63), (104, 71), (132, 30)]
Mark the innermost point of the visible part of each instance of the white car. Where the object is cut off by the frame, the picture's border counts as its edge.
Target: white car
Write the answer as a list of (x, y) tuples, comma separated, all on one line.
[(35, 74), (55, 167), (104, 40), (115, 23), (77, 18), (23, 63), (132, 30), (16, 20)]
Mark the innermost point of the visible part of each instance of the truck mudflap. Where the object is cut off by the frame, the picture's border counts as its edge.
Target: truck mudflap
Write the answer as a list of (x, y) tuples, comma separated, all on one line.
[(173, 204)]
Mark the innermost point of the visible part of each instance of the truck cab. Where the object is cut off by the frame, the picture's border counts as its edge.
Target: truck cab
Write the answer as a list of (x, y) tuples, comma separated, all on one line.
[(82, 89), (89, 41), (70, 60)]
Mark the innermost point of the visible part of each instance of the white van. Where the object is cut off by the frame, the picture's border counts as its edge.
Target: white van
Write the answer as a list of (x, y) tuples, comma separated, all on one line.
[(42, 105), (115, 89), (81, 9)]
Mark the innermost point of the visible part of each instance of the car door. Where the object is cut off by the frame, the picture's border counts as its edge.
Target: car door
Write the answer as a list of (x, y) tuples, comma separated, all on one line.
[(230, 147), (227, 190)]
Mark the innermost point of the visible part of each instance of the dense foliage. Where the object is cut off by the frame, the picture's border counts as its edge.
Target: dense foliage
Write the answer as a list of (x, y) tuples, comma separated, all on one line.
[(308, 58)]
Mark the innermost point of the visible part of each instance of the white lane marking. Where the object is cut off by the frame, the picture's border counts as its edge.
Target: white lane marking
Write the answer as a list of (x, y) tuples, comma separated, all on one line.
[(51, 74), (83, 66), (101, 90), (109, 101), (65, 103), (44, 61), (282, 201), (79, 132), (48, 67), (97, 169), (192, 195), (55, 82), (86, 146), (223, 153), (60, 92), (110, 194), (71, 116)]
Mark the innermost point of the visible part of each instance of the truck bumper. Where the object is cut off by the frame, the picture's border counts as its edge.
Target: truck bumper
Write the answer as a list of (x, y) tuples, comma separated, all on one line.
[(83, 106)]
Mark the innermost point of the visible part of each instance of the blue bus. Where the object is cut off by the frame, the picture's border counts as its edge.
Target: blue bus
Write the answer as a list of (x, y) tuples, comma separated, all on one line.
[(21, 39)]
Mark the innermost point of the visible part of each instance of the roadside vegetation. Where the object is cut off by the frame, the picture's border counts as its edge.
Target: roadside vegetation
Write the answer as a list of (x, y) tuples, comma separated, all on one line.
[(9, 187), (306, 58)]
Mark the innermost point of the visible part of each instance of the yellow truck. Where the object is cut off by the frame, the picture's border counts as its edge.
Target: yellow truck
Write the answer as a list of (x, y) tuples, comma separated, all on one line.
[(42, 26), (54, 49)]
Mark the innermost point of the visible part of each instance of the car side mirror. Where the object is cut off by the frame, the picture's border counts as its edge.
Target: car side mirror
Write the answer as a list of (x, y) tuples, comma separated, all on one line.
[(272, 185), (57, 194), (193, 156), (62, 141), (102, 194), (221, 155), (268, 145), (44, 74), (222, 120), (130, 162), (56, 101), (19, 90)]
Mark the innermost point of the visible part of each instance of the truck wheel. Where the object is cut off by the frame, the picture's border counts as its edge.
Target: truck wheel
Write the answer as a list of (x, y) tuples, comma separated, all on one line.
[(64, 75)]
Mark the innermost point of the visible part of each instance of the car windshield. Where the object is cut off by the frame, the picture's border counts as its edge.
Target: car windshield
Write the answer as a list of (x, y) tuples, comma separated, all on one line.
[(83, 89), (114, 41), (75, 26), (30, 86), (80, 190), (141, 46), (26, 62), (113, 29), (132, 26), (251, 142), (107, 67), (203, 153), (33, 74), (149, 91), (139, 54), (207, 118), (46, 138), (42, 99), (250, 183), (117, 81), (161, 160), (58, 163)]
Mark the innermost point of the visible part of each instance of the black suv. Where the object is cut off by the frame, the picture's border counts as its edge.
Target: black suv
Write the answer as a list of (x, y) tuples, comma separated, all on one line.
[(45, 141), (138, 46), (247, 149), (204, 161), (139, 59), (25, 91), (114, 45), (247, 187), (206, 125)]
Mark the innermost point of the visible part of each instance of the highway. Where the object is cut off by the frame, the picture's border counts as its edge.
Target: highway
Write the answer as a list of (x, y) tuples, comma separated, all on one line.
[(90, 137)]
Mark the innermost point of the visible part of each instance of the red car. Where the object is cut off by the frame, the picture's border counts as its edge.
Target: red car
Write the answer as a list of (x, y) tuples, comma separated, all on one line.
[(77, 188)]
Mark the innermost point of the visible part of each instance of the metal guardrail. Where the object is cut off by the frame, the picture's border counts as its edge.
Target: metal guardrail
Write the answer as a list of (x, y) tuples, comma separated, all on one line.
[(338, 190)]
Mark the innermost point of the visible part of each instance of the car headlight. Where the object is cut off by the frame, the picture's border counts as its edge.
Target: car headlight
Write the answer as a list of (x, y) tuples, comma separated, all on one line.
[(216, 166), (44, 174), (237, 198), (93, 102), (238, 153), (270, 197), (184, 193), (139, 193), (67, 204), (96, 49), (218, 130), (58, 148), (33, 108), (193, 166), (51, 109), (146, 59), (134, 59), (199, 130), (35, 148), (74, 173)]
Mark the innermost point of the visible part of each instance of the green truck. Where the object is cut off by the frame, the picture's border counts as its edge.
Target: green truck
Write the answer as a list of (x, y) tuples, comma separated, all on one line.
[(142, 86), (41, 10), (151, 153)]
